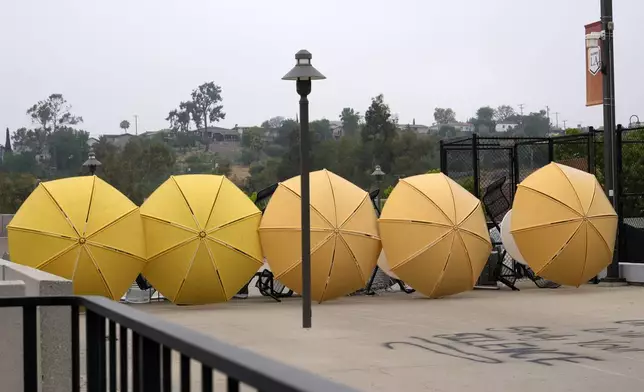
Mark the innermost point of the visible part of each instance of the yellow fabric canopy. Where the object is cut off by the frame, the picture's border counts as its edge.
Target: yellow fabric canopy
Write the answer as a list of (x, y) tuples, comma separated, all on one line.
[(83, 229), (202, 239), (434, 235), (344, 235), (563, 224)]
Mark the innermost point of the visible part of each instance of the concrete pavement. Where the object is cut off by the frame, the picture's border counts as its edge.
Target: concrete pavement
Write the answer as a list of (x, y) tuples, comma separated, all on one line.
[(566, 339)]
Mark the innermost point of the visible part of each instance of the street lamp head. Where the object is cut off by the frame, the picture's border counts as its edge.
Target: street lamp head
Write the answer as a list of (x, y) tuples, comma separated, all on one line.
[(92, 163), (378, 174), (303, 69)]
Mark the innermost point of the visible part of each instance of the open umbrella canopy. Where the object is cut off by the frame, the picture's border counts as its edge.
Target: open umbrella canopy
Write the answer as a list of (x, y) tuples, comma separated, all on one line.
[(83, 229), (434, 235), (563, 224), (202, 239), (344, 235)]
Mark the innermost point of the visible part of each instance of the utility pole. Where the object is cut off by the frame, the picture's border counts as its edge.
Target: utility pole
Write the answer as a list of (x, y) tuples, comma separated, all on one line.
[(557, 119), (565, 121), (548, 116), (521, 108), (610, 178), (136, 124)]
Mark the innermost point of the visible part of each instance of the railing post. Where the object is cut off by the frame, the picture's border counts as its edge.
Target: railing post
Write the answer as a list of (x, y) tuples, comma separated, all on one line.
[(151, 365), (443, 157), (75, 350), (591, 150), (95, 343), (617, 194), (475, 165), (30, 348)]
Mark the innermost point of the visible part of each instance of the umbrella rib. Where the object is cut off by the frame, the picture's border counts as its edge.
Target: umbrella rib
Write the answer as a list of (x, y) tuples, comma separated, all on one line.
[(354, 211), (56, 256), (183, 280), (69, 222), (328, 278), (310, 205), (89, 206), (34, 231), (451, 191), (233, 222), (174, 181), (359, 234), (420, 251), (551, 198), (429, 199), (355, 259), (468, 217), (217, 241), (559, 250), (583, 270), (214, 265), (335, 206), (581, 207), (469, 259), (80, 251), (296, 262), (212, 208), (600, 235), (112, 223), (98, 269), (102, 246), (416, 222), (313, 229), (173, 224), (172, 248), (562, 222), (440, 278)]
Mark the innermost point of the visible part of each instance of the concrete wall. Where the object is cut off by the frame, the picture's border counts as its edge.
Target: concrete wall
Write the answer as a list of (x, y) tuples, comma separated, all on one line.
[(4, 221), (54, 326), (11, 338)]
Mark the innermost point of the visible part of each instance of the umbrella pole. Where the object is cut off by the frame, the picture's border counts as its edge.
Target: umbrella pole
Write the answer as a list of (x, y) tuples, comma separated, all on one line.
[(304, 88)]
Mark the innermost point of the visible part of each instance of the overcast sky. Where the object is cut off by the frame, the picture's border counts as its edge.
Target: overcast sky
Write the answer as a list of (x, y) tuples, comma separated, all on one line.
[(114, 59)]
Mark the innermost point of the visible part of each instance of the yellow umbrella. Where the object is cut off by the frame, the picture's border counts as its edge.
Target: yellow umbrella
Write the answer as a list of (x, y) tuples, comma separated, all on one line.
[(83, 229), (202, 239), (344, 235), (435, 235), (563, 224)]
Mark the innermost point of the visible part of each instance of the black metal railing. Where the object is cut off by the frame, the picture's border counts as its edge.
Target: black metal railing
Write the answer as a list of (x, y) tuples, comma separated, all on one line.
[(152, 342)]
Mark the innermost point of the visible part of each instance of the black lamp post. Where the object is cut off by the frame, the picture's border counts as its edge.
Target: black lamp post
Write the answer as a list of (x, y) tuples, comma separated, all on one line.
[(378, 175), (92, 163), (303, 73)]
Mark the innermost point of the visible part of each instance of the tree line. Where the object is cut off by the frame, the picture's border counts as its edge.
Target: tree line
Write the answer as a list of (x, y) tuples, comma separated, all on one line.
[(56, 145)]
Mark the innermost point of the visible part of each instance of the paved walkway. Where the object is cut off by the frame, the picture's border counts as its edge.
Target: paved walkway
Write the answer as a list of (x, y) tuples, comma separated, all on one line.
[(587, 339)]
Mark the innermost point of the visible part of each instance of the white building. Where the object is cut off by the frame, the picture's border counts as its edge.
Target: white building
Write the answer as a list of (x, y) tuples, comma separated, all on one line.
[(504, 126), (458, 126)]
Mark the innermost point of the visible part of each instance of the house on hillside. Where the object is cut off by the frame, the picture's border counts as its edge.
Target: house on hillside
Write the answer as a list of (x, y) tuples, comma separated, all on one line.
[(458, 126), (221, 135), (91, 141), (417, 128), (337, 129), (505, 126), (119, 141)]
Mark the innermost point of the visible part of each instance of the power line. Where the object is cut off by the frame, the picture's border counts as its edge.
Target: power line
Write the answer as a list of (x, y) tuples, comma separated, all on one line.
[(521, 108)]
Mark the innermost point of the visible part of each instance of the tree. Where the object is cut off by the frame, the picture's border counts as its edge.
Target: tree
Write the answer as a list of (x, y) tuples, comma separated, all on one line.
[(485, 119), (16, 187), (29, 140), (378, 134), (206, 100), (125, 125), (67, 151), (503, 113), (7, 142), (273, 122), (444, 116), (321, 130), (252, 144), (350, 121), (447, 131), (536, 124), (52, 112)]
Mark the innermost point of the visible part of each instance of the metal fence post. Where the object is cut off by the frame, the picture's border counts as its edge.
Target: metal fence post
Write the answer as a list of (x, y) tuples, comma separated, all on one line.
[(617, 195), (591, 150), (475, 164), (443, 157), (515, 166), (551, 149)]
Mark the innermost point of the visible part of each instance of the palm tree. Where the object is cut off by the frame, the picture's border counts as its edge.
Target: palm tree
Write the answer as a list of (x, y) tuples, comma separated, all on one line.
[(125, 125)]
